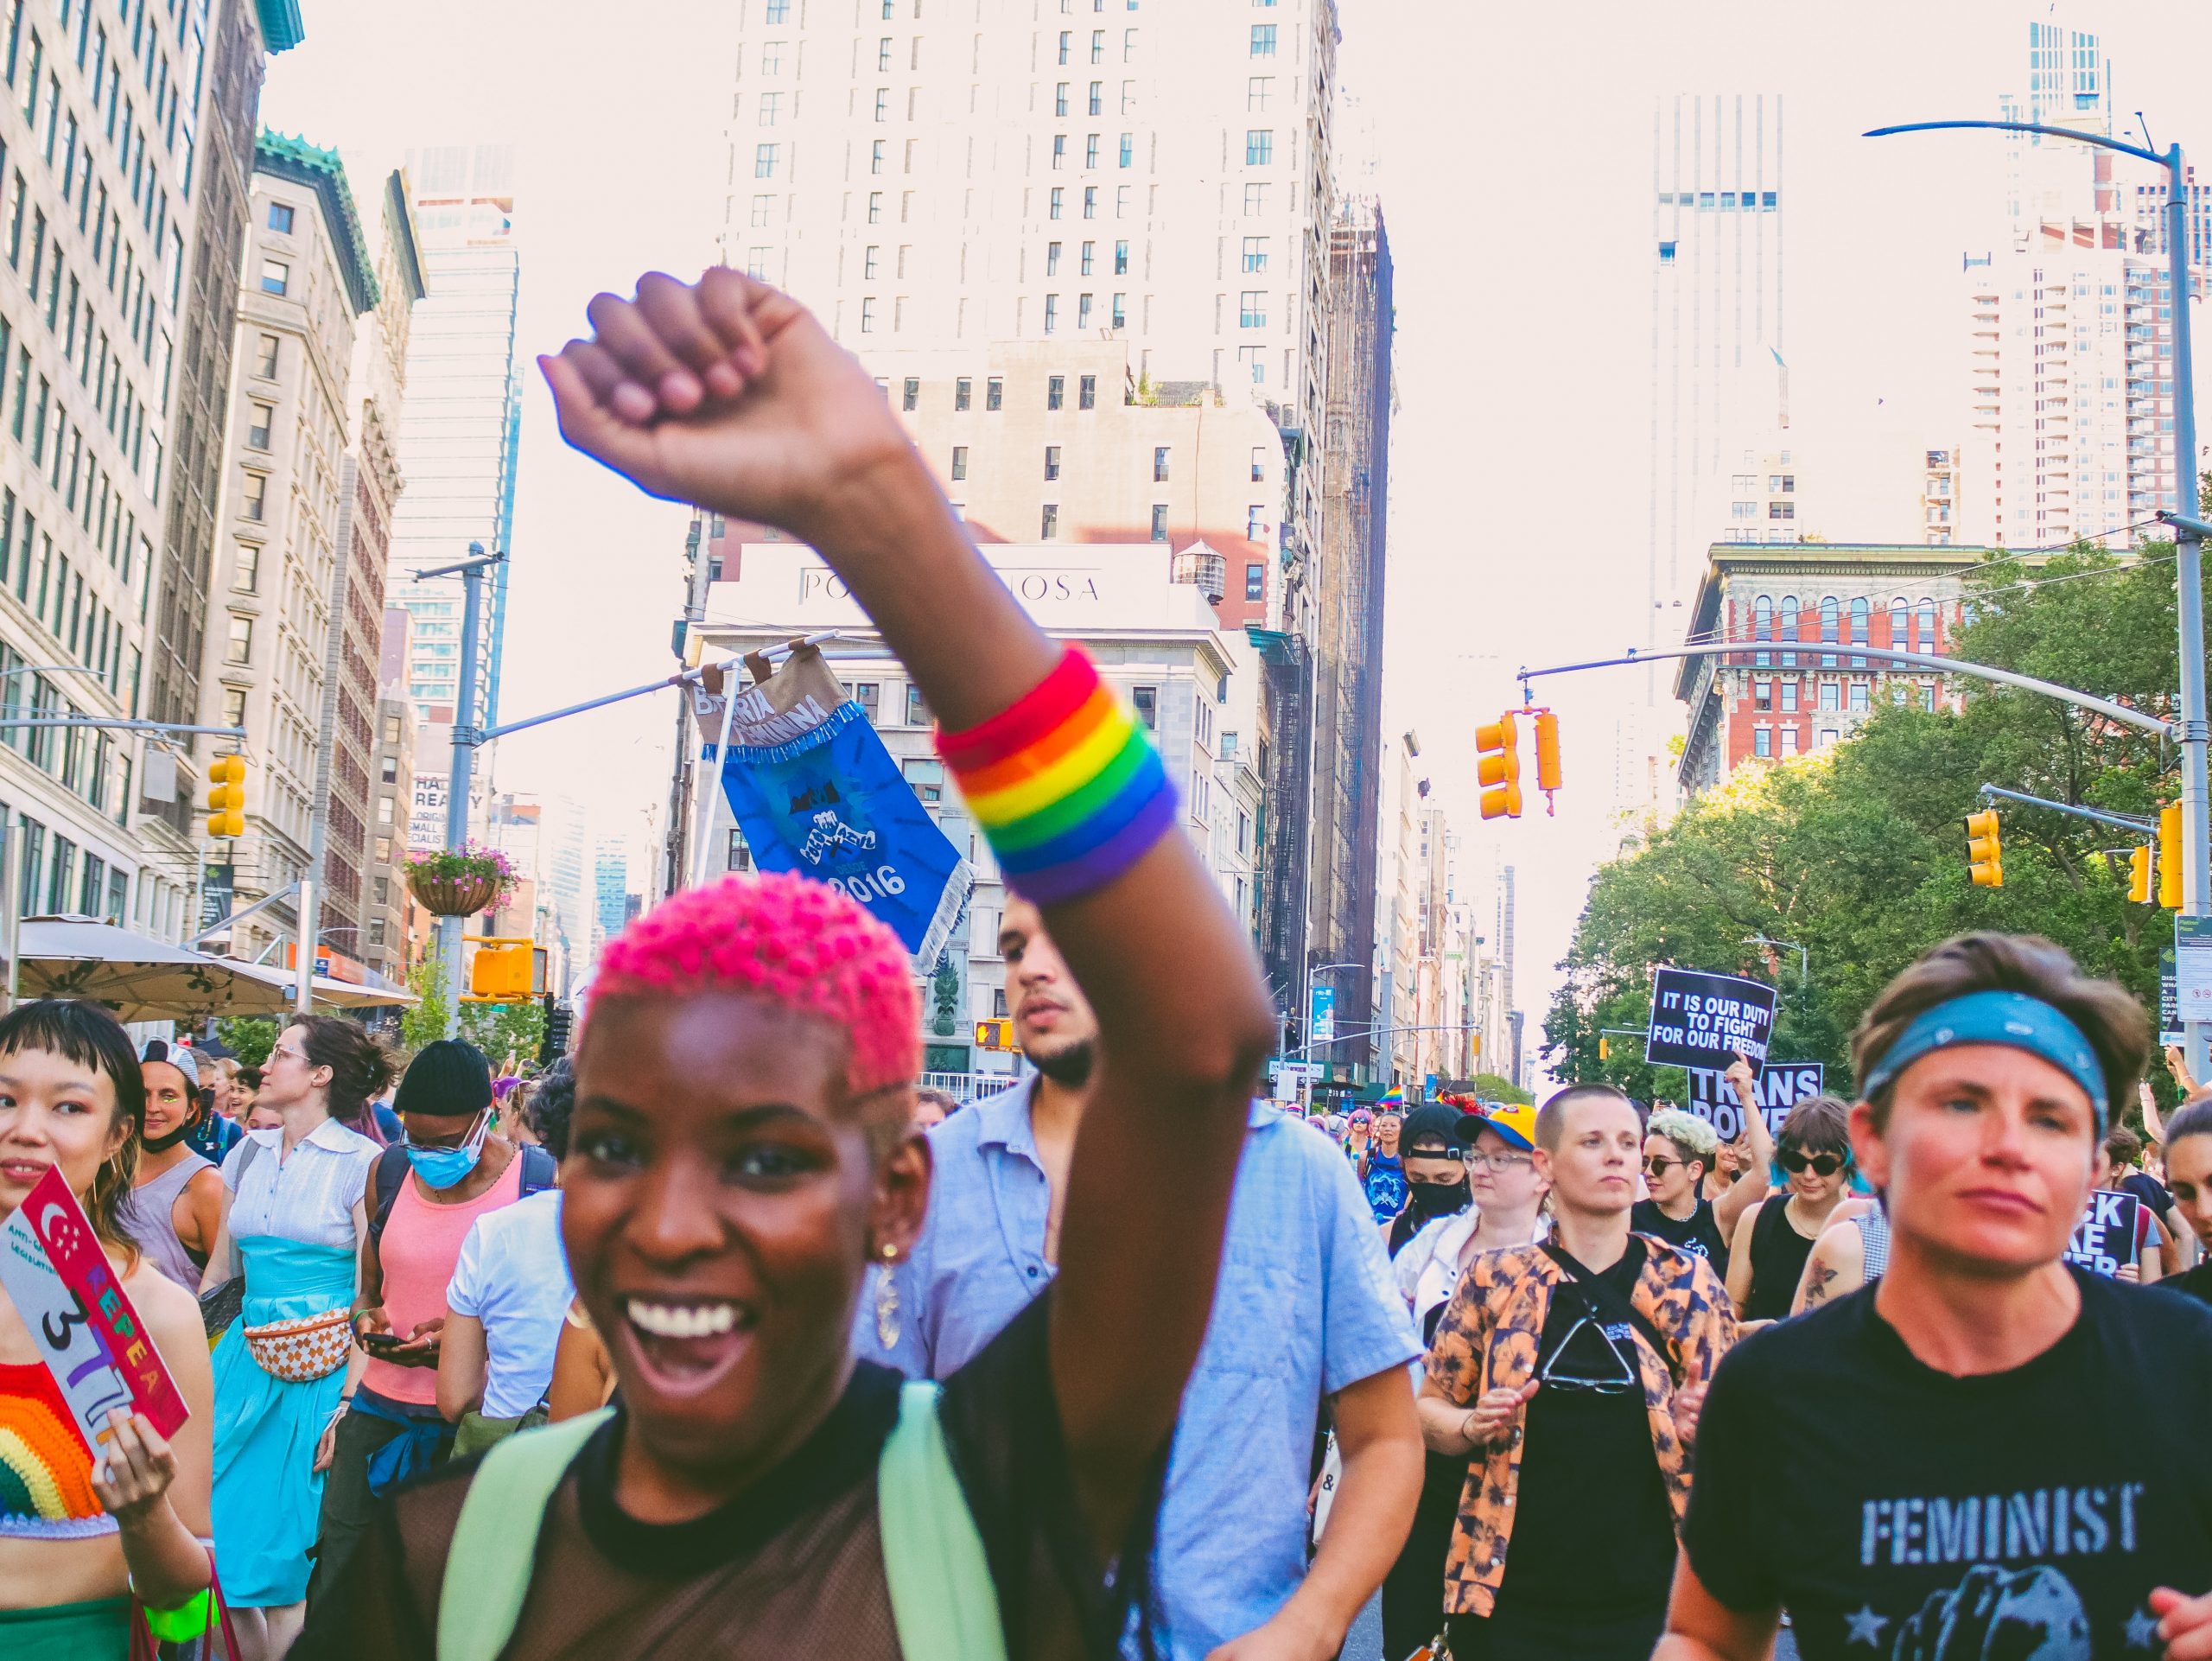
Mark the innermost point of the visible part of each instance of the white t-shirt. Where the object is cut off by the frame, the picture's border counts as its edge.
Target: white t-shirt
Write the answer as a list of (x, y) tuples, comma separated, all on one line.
[(513, 1276)]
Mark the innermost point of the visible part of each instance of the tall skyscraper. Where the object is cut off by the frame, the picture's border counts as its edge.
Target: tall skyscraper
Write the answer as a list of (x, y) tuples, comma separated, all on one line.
[(2070, 431), (461, 431)]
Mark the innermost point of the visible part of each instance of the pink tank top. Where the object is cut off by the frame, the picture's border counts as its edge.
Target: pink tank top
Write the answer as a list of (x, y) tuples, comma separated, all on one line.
[(420, 1245)]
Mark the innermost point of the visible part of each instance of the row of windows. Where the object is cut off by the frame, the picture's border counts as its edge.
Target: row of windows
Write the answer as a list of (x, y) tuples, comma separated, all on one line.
[(72, 468), (82, 758), (57, 597), (98, 889), (1748, 200), (1129, 45), (1088, 258), (1125, 152), (1255, 528), (1910, 630)]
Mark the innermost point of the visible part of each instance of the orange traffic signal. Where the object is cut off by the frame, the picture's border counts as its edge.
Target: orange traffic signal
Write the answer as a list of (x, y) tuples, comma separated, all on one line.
[(1985, 850), (2169, 856), (227, 795), (1546, 750), (2138, 876), (1497, 769)]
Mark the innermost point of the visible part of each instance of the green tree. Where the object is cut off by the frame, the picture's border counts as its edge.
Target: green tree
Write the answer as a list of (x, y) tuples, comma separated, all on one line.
[(426, 1021), (249, 1037), (1858, 854), (1489, 1087), (504, 1029)]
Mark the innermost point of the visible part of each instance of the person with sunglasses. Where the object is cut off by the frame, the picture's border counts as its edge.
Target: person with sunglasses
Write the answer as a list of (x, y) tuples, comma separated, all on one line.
[(1924, 1470), (1770, 1244), (1569, 1375), (1680, 1150)]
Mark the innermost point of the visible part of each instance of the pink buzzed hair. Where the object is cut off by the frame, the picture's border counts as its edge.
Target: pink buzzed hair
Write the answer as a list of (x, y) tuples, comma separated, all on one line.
[(792, 941)]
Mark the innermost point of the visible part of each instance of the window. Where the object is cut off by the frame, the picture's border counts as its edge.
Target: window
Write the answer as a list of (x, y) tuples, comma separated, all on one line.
[(1831, 696), (275, 276), (1052, 462), (1828, 735), (1052, 260), (875, 207), (280, 217), (1859, 696), (1256, 581), (1160, 458), (1097, 102), (917, 713), (867, 316), (1060, 99), (779, 10), (877, 154), (1256, 254), (1900, 629), (241, 647), (959, 462), (772, 104), (1082, 311), (1059, 202), (925, 774), (993, 393), (1091, 152), (1086, 392), (247, 579), (1927, 640), (1056, 392), (1120, 316), (883, 103), (1255, 363), (256, 496), (913, 393), (1059, 151), (1781, 484), (1789, 740), (1256, 198), (1259, 148), (760, 215), (1252, 309), (1120, 259), (1067, 40), (1263, 40), (1159, 521), (1090, 258), (1763, 741), (264, 361), (1127, 156), (1050, 526), (1763, 695), (963, 393), (260, 417), (1782, 510), (1257, 91), (1146, 700), (1090, 201), (764, 161), (1789, 697), (1255, 522), (1831, 620), (1052, 313), (1790, 627), (234, 706), (1098, 45)]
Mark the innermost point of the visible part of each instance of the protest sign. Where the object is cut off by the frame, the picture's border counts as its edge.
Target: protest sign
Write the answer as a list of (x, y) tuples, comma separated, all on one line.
[(79, 1322), (2170, 1028), (1781, 1087), (1704, 1021), (2104, 1240), (2193, 968)]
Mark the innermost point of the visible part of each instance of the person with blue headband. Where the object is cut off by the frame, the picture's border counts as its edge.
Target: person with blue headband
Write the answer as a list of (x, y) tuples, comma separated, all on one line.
[(1925, 1468)]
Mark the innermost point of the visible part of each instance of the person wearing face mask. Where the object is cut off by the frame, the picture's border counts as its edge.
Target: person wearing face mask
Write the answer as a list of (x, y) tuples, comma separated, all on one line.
[(1436, 1174), (1767, 1259), (423, 1195), (175, 1208)]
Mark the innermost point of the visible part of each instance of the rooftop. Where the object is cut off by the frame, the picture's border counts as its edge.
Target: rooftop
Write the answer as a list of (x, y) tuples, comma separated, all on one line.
[(295, 159)]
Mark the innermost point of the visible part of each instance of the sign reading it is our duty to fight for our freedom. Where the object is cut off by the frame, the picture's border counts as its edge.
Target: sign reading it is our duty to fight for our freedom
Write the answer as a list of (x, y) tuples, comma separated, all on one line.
[(84, 1328), (1706, 1021)]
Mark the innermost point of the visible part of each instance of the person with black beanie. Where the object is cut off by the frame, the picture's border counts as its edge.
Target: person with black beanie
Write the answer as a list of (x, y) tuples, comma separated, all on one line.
[(1436, 1171)]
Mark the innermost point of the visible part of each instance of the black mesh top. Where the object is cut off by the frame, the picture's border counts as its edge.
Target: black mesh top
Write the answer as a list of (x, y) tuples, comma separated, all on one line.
[(792, 1567)]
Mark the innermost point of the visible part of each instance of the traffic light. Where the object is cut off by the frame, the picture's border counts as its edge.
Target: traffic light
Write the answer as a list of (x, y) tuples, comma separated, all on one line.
[(1546, 755), (227, 795), (1498, 768), (555, 1044), (2138, 876), (995, 1034), (1985, 850), (1604, 1050), (2169, 856), (502, 971)]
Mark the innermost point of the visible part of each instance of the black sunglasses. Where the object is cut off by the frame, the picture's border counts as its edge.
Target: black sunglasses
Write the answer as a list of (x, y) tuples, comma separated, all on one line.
[(1819, 1164)]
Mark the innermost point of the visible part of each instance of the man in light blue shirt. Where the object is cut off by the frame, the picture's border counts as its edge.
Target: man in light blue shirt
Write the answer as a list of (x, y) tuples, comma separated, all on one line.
[(1304, 1308)]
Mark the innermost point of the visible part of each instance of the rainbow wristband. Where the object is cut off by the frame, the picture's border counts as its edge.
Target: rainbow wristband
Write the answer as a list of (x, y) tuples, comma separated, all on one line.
[(1065, 784)]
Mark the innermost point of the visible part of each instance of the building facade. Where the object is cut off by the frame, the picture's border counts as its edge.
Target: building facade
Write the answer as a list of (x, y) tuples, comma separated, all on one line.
[(277, 557), (1797, 687), (1157, 640), (461, 436)]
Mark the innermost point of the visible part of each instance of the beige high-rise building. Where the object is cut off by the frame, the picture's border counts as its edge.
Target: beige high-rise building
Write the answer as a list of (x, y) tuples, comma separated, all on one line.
[(310, 276)]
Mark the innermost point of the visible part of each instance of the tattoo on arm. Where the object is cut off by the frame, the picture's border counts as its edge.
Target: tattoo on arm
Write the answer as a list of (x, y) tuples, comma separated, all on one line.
[(1816, 1285)]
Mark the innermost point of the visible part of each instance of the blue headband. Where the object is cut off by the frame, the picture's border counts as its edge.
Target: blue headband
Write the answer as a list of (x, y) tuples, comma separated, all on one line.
[(2012, 1019)]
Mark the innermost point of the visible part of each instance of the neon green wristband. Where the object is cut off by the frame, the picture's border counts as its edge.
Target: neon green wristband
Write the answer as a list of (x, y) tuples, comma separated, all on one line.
[(182, 1624)]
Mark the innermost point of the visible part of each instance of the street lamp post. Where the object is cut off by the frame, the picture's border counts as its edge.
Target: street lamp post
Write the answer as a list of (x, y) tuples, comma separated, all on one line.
[(2189, 527), (1305, 1016)]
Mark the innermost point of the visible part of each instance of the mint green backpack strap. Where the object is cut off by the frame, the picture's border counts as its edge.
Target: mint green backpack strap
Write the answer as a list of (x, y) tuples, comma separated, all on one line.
[(495, 1541), (941, 1597)]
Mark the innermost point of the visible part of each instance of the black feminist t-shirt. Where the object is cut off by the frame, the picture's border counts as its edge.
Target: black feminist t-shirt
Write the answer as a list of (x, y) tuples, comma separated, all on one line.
[(1900, 1512)]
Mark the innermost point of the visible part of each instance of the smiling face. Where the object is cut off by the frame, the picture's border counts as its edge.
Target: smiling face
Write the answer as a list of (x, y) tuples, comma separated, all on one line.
[(170, 1102), (1592, 1170), (1987, 1157), (1806, 1181), (54, 1111), (724, 1196), (1387, 1125)]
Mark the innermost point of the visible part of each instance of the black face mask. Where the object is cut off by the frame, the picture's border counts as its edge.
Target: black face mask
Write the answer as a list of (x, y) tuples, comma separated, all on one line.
[(1427, 1200), (162, 1144)]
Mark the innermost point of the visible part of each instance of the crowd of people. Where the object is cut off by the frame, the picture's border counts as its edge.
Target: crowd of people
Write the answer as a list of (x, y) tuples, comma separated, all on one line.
[(722, 1339)]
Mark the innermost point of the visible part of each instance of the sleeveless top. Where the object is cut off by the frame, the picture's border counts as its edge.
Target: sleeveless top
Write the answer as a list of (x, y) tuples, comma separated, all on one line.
[(420, 1245), (149, 1217), (1779, 1254), (1699, 1233), (46, 1469), (1873, 1241)]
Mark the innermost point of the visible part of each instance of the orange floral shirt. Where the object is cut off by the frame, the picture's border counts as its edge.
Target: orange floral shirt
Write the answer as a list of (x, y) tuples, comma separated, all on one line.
[(1488, 1338)]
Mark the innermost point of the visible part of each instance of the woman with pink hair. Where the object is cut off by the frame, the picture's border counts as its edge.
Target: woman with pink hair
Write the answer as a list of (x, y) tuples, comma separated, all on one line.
[(743, 1146)]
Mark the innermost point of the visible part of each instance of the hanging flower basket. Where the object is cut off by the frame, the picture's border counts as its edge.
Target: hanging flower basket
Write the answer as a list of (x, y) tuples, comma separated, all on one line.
[(461, 883)]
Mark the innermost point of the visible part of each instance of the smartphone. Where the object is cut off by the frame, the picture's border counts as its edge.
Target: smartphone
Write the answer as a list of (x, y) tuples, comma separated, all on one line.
[(381, 1341)]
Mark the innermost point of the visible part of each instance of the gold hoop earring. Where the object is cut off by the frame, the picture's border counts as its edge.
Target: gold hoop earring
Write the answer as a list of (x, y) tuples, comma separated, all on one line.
[(887, 1299)]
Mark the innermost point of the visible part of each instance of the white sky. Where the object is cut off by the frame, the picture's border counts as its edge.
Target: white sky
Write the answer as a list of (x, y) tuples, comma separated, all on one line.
[(1512, 149)]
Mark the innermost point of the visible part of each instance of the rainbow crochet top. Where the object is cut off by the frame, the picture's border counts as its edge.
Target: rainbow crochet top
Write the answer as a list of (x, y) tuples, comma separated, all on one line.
[(46, 1469)]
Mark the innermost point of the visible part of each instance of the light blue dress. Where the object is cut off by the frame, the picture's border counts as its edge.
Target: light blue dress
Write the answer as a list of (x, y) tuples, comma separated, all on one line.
[(294, 1227)]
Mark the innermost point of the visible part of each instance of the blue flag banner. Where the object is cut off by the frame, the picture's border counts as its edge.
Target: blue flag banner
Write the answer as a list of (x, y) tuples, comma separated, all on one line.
[(825, 799)]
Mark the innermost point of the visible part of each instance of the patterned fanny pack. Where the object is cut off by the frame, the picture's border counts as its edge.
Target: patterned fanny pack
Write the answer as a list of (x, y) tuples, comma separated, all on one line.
[(304, 1348)]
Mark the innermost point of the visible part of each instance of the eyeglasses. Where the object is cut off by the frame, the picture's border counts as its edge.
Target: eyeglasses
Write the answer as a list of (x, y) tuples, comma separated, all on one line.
[(1659, 1165), (1794, 1161), (290, 1053), (1548, 1376), (1497, 1162)]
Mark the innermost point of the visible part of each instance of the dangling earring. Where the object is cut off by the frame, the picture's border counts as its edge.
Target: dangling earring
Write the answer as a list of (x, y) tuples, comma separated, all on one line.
[(887, 1299)]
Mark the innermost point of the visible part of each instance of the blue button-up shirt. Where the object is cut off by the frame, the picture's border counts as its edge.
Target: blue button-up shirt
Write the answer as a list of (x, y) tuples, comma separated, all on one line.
[(1305, 1307)]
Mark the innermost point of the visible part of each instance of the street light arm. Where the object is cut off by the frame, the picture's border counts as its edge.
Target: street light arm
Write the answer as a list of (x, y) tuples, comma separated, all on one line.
[(2101, 142)]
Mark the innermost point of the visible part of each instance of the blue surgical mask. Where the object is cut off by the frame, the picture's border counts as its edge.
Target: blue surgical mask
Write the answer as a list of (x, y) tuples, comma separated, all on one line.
[(443, 1168)]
